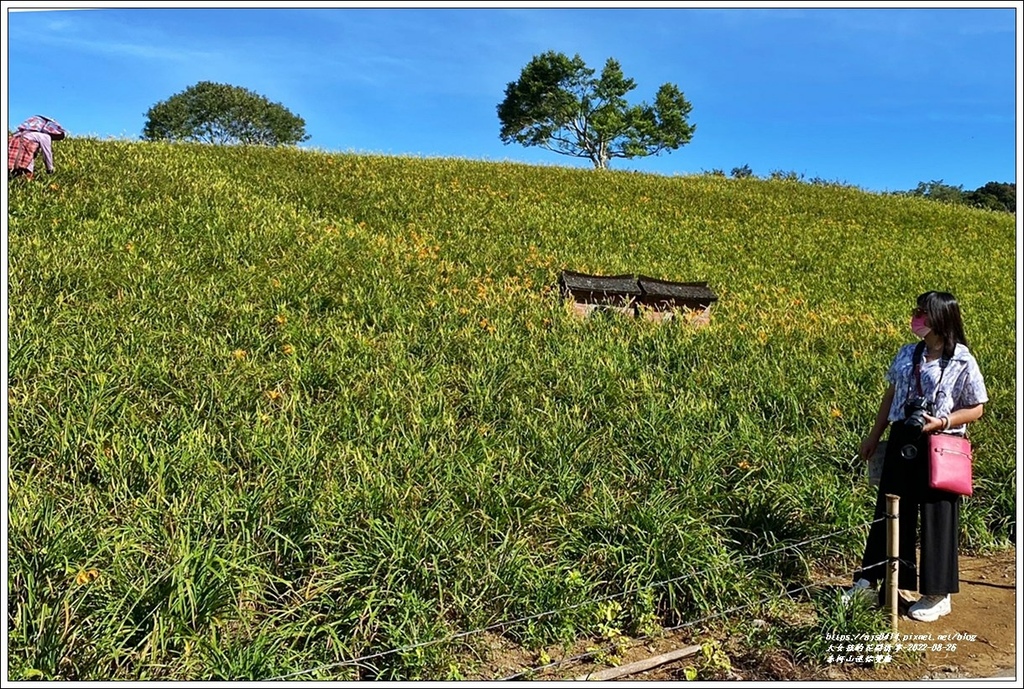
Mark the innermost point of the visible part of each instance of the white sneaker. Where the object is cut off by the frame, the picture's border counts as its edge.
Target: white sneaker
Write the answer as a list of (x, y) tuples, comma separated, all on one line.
[(862, 588), (930, 608)]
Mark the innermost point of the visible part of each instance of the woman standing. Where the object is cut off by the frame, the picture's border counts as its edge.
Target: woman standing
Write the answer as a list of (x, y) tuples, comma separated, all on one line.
[(935, 386)]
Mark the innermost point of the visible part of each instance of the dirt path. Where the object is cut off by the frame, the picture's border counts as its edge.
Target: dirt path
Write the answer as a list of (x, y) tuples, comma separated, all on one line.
[(984, 617), (977, 640)]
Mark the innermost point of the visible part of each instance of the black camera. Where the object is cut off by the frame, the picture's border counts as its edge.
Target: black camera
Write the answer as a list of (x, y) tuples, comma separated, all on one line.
[(914, 411), (913, 418)]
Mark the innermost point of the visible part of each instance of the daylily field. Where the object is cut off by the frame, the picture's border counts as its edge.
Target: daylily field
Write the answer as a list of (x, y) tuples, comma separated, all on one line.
[(269, 410)]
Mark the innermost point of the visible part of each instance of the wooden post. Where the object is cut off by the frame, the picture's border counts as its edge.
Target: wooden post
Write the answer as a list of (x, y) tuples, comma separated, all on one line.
[(893, 550), (640, 665)]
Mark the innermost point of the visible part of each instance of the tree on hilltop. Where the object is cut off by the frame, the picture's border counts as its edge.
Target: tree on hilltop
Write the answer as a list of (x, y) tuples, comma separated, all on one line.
[(999, 196), (223, 114), (558, 104), (936, 190)]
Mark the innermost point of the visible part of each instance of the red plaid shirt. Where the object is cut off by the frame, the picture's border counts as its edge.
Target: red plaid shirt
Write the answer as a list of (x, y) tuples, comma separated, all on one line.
[(20, 153), (22, 149)]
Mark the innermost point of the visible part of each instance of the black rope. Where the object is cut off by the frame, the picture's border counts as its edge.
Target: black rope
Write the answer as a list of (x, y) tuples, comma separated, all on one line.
[(644, 639), (547, 613)]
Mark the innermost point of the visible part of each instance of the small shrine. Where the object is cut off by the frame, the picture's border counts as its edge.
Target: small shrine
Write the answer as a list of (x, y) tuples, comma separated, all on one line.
[(662, 299), (644, 296), (590, 293)]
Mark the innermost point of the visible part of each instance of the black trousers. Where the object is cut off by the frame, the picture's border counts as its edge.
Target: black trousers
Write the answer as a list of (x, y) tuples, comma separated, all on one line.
[(937, 511)]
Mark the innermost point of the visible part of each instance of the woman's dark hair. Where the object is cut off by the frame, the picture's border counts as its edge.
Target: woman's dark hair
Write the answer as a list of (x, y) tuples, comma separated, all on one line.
[(944, 319)]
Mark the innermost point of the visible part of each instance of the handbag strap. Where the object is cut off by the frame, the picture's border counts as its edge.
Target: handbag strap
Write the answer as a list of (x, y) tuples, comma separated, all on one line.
[(918, 358), (943, 362)]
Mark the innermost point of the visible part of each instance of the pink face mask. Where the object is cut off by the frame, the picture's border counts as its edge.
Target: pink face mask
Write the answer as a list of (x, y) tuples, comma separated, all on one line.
[(919, 326)]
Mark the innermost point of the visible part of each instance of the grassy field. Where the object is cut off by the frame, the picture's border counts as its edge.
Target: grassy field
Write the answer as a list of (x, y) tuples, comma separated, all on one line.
[(270, 410)]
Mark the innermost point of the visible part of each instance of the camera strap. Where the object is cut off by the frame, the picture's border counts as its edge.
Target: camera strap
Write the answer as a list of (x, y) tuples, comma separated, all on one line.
[(918, 358)]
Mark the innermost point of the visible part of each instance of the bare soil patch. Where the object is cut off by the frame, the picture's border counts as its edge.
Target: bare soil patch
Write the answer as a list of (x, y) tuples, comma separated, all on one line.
[(977, 640)]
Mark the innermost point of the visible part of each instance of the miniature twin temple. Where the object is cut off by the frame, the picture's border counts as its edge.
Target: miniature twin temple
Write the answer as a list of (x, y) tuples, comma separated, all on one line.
[(638, 296)]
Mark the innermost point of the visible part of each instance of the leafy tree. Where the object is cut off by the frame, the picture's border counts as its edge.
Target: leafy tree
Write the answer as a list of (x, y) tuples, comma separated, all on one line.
[(822, 182), (223, 114), (999, 196), (742, 172), (937, 191), (785, 176), (558, 104)]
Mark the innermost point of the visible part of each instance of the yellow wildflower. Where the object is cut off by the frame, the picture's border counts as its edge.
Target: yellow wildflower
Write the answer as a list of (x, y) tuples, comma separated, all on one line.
[(86, 576)]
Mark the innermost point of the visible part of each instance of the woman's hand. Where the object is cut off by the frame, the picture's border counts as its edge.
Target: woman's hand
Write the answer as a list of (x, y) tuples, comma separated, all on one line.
[(868, 448), (933, 424)]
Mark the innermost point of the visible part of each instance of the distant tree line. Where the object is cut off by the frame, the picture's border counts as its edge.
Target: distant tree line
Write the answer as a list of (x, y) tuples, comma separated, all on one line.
[(996, 196)]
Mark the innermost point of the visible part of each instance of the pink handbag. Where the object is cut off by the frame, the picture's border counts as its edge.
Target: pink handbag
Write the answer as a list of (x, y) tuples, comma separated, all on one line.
[(949, 463)]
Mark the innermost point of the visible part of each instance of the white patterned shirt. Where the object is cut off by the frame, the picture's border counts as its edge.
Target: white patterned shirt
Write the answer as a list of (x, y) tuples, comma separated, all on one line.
[(961, 386)]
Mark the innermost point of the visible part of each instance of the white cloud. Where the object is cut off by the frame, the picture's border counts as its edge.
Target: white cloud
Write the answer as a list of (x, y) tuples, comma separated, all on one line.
[(140, 50), (74, 30)]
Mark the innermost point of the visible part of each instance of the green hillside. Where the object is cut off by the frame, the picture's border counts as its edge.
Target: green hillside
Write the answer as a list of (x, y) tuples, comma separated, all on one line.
[(270, 410)]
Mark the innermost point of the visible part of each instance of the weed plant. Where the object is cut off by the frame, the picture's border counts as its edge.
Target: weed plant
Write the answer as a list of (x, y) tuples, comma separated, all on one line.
[(271, 410), (838, 634)]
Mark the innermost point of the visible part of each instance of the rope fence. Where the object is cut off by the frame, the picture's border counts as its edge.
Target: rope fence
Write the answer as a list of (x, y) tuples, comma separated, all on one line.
[(643, 639), (362, 660)]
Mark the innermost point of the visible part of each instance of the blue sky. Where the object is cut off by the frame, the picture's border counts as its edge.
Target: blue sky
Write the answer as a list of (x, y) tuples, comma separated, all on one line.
[(875, 96)]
